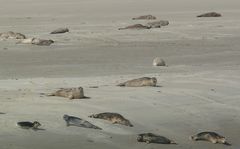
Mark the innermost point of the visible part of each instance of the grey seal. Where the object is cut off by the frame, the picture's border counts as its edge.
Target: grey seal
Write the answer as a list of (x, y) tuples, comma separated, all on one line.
[(153, 138), (60, 31), (115, 118), (140, 82), (145, 17), (71, 93), (158, 62), (158, 24), (210, 14), (76, 121), (12, 35), (135, 26), (29, 125), (209, 136)]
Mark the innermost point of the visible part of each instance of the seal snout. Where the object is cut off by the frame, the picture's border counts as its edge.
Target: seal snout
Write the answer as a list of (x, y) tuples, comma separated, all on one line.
[(65, 117)]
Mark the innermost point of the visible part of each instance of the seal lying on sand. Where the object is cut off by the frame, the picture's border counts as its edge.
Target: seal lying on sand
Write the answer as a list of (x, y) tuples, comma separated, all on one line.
[(12, 35), (140, 82), (71, 93), (2, 113), (36, 41), (115, 118), (29, 125), (60, 30), (75, 121), (158, 62), (158, 24), (153, 138), (135, 26), (145, 17), (210, 14), (210, 136)]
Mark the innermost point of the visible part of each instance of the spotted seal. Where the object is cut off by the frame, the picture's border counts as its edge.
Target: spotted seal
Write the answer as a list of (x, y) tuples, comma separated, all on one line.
[(158, 62), (153, 138), (135, 26), (29, 125), (158, 24), (140, 82), (115, 118), (60, 31), (71, 93), (76, 121), (145, 17), (209, 136), (210, 14), (12, 35)]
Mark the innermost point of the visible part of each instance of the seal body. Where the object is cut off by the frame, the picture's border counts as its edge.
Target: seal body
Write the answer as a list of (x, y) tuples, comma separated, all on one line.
[(153, 138), (210, 136), (140, 82), (71, 93), (210, 14), (12, 35), (115, 118), (29, 125), (158, 62), (145, 17), (158, 24), (75, 121), (135, 26), (60, 31), (36, 41)]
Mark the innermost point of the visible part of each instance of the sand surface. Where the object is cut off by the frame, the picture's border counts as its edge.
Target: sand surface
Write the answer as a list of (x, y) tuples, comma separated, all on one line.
[(199, 90)]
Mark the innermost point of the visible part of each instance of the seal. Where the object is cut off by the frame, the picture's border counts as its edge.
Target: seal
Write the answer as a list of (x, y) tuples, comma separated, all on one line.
[(209, 136), (71, 93), (12, 35), (140, 82), (135, 26), (210, 14), (36, 41), (2, 113), (75, 121), (115, 118), (158, 24), (145, 17), (153, 138), (158, 62), (29, 125), (60, 31)]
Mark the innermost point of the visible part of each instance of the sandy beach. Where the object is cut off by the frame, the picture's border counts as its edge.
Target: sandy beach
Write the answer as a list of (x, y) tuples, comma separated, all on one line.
[(197, 91)]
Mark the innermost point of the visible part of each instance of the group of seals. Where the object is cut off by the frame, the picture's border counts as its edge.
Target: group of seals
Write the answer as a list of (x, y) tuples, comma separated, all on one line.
[(70, 93), (29, 125), (115, 118), (140, 82)]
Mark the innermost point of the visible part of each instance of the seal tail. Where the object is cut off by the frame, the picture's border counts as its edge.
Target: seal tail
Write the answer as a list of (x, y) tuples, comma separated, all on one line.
[(173, 142)]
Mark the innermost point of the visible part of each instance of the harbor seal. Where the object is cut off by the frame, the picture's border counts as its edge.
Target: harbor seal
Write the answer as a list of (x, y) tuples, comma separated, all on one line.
[(145, 17), (210, 14), (115, 118), (135, 26), (158, 62), (60, 31), (75, 121), (153, 138), (209, 136), (29, 125), (36, 41), (140, 82), (12, 35), (71, 93), (158, 24)]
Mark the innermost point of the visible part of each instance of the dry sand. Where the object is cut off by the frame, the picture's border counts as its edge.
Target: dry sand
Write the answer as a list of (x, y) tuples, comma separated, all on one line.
[(199, 88)]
